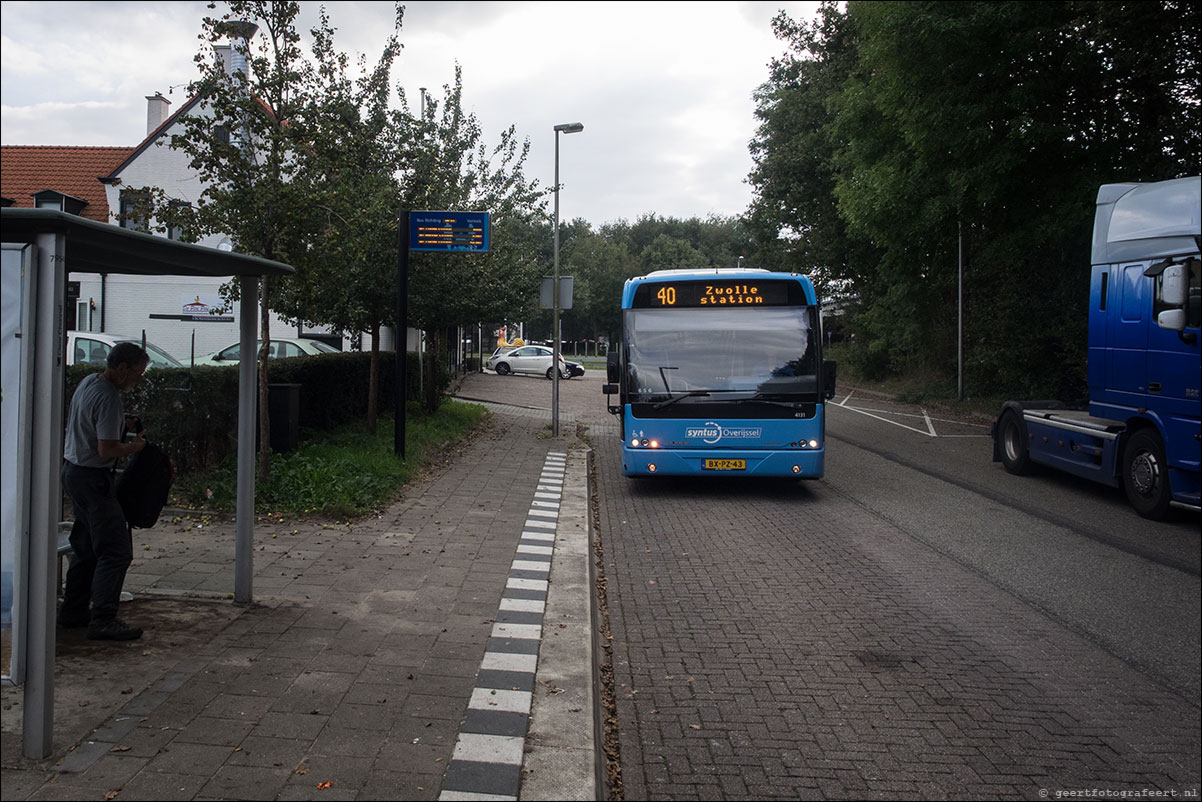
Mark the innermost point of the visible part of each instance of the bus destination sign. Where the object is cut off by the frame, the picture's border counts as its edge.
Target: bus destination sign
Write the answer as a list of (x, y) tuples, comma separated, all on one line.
[(448, 231), (706, 294)]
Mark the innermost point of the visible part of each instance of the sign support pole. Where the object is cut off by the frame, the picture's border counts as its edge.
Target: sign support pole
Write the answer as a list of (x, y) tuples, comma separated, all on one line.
[(437, 231), (402, 329)]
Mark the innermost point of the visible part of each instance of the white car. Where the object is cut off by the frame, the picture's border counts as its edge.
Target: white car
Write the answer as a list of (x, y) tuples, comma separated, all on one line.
[(534, 359), (92, 348), (280, 348)]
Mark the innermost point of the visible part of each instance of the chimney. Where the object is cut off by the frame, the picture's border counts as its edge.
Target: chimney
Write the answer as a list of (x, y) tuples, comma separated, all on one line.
[(240, 33), (156, 111)]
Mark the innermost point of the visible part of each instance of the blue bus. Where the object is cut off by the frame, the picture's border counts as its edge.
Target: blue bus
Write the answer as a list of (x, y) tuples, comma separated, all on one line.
[(720, 372)]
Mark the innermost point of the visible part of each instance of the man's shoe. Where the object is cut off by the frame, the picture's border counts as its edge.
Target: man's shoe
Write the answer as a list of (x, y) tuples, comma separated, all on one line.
[(113, 629)]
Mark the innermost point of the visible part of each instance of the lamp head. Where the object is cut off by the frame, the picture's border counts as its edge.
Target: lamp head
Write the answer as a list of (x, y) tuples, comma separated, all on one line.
[(570, 128)]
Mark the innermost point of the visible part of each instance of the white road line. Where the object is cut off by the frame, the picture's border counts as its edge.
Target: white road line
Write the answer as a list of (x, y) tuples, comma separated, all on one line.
[(503, 701), (886, 420)]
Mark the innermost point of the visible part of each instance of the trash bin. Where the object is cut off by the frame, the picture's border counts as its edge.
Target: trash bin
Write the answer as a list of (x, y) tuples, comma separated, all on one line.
[(283, 410)]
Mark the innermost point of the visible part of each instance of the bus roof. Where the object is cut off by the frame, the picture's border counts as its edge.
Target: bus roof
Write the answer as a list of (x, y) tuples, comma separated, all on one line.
[(707, 271), (1136, 222)]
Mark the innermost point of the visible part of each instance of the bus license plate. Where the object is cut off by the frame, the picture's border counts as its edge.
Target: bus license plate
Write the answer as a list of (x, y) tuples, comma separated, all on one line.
[(726, 465)]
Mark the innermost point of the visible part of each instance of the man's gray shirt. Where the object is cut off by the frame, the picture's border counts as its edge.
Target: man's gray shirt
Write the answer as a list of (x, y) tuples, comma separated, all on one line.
[(96, 414)]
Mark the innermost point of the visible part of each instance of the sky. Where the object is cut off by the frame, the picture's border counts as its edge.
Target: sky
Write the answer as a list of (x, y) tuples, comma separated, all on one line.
[(664, 90)]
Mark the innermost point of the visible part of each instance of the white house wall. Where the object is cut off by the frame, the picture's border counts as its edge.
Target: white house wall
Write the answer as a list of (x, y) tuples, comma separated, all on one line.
[(126, 303), (131, 300)]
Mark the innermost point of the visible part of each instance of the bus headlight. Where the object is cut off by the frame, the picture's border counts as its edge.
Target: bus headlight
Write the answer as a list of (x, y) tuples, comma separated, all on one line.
[(796, 469), (813, 444), (651, 467)]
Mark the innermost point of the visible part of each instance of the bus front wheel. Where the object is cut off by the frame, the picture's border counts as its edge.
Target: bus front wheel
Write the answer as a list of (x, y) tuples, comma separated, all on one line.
[(1146, 475)]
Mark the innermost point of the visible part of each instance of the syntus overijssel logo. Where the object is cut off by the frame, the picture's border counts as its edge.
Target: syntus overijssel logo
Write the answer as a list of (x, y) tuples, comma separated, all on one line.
[(712, 432)]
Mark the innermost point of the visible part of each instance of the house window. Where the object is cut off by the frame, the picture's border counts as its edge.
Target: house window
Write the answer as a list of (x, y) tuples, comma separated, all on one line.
[(178, 210), (59, 201), (134, 213), (222, 134)]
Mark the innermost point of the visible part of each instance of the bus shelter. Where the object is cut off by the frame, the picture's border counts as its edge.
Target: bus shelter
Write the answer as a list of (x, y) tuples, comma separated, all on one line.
[(40, 247)]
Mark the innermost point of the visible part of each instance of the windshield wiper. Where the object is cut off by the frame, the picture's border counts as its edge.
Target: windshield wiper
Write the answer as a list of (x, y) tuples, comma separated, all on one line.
[(776, 397), (674, 399)]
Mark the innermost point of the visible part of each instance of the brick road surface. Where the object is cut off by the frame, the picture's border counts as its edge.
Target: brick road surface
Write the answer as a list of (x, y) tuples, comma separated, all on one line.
[(777, 641)]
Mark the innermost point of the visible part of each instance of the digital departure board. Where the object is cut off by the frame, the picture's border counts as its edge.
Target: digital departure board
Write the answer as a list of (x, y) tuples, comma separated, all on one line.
[(448, 231), (708, 294)]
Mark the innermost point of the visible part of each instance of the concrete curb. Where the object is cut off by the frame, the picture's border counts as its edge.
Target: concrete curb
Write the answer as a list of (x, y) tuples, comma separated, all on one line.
[(560, 747)]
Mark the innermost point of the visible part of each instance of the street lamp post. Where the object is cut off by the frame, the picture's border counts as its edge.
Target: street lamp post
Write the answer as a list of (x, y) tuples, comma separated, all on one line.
[(565, 128)]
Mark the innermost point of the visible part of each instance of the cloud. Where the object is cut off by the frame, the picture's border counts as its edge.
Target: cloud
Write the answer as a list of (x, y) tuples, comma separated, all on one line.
[(663, 89)]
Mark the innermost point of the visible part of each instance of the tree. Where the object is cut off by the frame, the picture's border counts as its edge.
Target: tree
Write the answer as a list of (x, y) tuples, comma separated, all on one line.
[(348, 276), (890, 127), (668, 253), (601, 266), (445, 164), (246, 153)]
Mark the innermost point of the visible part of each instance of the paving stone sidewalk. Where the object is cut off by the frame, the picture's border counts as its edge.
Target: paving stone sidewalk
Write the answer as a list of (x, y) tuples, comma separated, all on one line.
[(347, 678)]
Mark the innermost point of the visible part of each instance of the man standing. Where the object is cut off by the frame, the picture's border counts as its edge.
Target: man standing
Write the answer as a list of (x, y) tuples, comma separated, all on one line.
[(101, 540)]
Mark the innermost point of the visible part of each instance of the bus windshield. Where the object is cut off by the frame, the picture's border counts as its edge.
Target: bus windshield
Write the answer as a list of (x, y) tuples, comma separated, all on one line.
[(735, 354)]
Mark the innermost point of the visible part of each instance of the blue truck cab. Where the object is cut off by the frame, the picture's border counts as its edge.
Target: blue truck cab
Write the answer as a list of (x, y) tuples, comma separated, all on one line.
[(1142, 431)]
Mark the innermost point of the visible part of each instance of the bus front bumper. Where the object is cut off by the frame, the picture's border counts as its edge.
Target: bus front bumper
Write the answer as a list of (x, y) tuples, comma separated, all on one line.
[(807, 464)]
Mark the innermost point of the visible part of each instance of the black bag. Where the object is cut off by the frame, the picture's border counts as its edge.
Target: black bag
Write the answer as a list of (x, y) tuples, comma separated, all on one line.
[(143, 486)]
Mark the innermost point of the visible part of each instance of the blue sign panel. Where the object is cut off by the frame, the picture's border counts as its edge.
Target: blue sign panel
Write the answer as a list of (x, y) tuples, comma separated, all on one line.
[(448, 231)]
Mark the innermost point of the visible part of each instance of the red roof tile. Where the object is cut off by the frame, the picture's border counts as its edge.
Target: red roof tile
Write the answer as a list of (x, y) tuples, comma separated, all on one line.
[(27, 169)]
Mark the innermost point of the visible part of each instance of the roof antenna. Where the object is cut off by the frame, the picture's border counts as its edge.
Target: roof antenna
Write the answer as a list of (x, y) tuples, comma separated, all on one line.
[(171, 89)]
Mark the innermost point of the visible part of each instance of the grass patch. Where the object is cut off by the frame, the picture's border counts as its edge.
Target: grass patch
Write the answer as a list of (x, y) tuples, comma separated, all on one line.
[(344, 472)]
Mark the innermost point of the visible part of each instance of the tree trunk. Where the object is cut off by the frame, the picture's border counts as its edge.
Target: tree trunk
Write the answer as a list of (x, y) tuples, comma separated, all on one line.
[(264, 350), (433, 349), (373, 380)]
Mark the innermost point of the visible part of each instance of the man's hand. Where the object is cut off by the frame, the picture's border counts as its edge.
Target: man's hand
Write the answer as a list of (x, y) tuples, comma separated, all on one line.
[(114, 449)]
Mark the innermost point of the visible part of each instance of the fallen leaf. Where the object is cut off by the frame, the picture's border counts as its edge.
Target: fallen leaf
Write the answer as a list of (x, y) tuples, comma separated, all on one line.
[(120, 749)]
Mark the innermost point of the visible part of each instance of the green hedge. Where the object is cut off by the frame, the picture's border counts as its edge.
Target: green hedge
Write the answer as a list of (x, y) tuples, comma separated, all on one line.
[(193, 412)]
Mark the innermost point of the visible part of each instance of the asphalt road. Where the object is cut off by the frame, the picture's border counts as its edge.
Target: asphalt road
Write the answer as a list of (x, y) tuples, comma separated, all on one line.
[(1073, 549), (917, 624)]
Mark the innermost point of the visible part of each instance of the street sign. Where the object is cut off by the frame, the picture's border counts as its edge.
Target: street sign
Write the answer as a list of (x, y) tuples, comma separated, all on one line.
[(546, 296), (448, 231)]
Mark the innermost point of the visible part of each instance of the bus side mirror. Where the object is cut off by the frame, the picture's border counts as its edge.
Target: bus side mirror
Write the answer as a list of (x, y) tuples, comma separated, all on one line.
[(828, 379), (613, 367)]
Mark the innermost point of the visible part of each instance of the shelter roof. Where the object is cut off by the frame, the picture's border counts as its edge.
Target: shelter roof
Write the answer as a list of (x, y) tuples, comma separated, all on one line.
[(105, 248)]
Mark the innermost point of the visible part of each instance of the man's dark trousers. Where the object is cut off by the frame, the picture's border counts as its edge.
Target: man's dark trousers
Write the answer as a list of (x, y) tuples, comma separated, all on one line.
[(102, 544)]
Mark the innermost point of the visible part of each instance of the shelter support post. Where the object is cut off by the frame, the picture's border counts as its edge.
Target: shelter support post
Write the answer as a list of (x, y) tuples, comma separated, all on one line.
[(45, 491), (247, 404)]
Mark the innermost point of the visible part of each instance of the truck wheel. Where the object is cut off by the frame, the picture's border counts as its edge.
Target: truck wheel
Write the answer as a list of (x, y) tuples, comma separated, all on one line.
[(1146, 475), (1012, 433)]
